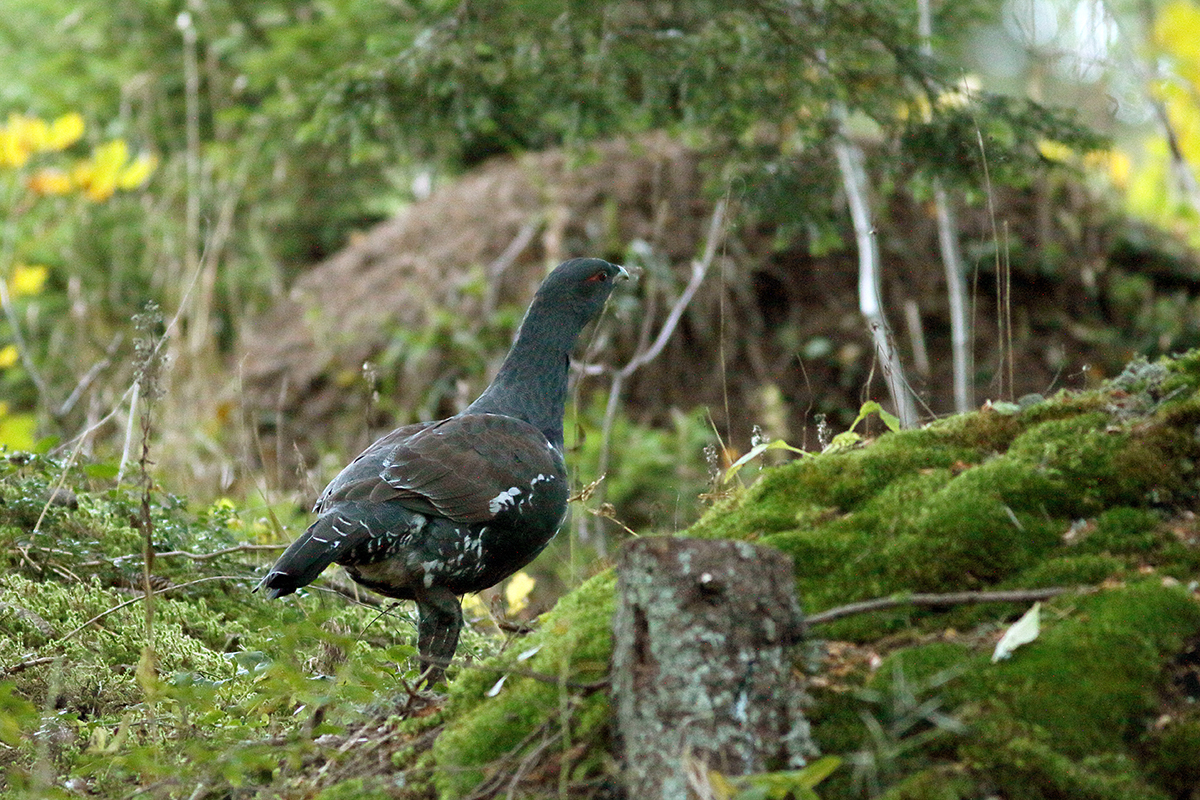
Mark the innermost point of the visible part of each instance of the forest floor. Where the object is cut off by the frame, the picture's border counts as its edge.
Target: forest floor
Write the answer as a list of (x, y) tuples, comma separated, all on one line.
[(204, 689)]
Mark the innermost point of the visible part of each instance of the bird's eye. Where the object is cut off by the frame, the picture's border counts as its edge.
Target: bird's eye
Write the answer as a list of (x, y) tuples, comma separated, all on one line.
[(599, 277)]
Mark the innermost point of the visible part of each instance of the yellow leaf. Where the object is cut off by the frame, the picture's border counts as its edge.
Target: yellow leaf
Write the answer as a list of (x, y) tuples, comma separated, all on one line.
[(138, 172), (960, 96), (8, 357), (14, 151), (33, 131), (16, 431), (1113, 162), (1175, 32), (27, 280), (516, 593), (98, 175), (50, 181), (64, 131), (1054, 151), (473, 606)]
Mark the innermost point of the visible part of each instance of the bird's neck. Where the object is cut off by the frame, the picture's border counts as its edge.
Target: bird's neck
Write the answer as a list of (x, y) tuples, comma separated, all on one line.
[(532, 382)]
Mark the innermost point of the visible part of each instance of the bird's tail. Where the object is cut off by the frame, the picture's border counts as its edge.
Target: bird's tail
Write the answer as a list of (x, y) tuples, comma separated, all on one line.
[(330, 537)]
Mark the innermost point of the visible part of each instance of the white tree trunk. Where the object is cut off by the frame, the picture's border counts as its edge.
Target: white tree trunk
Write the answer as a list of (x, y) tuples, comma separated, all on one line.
[(956, 290), (870, 297)]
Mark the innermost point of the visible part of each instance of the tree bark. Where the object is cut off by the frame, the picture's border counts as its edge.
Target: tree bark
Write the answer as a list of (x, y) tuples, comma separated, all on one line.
[(702, 676)]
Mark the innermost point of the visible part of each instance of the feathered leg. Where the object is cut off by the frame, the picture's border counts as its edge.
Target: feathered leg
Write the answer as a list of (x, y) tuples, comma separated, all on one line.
[(437, 630)]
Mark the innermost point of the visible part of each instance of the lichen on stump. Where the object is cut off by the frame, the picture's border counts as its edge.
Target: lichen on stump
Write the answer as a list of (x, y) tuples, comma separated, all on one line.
[(701, 668)]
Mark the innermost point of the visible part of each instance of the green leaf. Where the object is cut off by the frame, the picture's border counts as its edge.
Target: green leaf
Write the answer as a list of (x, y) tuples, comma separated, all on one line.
[(16, 431), (102, 471), (799, 783), (755, 452), (45, 444), (872, 407)]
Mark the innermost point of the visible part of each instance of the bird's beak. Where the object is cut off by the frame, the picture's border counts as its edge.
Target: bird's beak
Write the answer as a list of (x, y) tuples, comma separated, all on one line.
[(622, 273)]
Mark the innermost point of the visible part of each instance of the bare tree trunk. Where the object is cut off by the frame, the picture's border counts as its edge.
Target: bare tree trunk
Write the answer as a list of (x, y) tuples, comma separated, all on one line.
[(702, 678), (870, 296), (952, 261), (956, 294)]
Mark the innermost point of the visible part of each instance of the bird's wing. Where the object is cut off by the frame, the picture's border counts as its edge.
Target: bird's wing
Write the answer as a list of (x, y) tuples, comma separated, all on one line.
[(468, 468), (355, 480)]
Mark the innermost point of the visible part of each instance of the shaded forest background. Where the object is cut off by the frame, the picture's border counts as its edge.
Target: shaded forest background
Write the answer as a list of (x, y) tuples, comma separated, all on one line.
[(327, 216)]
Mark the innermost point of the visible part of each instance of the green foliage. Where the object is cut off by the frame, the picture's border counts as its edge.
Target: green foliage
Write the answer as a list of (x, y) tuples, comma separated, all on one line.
[(242, 687), (799, 784), (989, 134), (655, 475)]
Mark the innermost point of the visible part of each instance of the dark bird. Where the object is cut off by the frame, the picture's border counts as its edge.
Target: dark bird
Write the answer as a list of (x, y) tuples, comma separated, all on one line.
[(437, 509)]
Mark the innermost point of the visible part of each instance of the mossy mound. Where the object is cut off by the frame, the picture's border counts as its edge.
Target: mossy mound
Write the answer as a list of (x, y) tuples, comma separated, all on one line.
[(1082, 489)]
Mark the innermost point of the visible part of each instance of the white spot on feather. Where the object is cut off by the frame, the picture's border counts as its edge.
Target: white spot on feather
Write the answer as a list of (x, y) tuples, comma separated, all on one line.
[(503, 500)]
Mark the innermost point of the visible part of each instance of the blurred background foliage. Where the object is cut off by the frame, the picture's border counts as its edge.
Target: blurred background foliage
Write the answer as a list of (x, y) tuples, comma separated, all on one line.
[(232, 144)]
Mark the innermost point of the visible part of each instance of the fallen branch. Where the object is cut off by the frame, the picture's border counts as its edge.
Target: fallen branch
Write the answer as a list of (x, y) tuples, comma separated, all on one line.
[(921, 600), (542, 677)]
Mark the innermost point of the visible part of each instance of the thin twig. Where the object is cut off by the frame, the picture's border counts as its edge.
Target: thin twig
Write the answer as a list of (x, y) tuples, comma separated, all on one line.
[(853, 170), (88, 377), (542, 677), (18, 337), (491, 784), (529, 760), (941, 600), (502, 262), (241, 548), (62, 479), (700, 268)]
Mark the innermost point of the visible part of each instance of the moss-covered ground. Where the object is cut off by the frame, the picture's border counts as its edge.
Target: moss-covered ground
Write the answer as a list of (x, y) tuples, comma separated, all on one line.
[(308, 698)]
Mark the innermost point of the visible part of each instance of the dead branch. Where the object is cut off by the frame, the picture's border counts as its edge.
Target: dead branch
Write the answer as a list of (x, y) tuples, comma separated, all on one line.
[(922, 600), (700, 268), (241, 548)]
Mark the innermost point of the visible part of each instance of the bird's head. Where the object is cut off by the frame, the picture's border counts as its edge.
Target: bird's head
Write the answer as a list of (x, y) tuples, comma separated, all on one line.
[(581, 285)]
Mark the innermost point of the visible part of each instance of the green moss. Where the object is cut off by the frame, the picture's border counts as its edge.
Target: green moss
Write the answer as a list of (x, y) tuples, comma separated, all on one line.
[(573, 642), (920, 664), (1183, 376), (1123, 530), (1173, 755), (1018, 763), (936, 783), (1072, 570), (1090, 679), (353, 789)]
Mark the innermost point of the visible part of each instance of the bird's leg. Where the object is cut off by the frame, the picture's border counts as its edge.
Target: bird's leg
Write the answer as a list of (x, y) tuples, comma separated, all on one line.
[(437, 630)]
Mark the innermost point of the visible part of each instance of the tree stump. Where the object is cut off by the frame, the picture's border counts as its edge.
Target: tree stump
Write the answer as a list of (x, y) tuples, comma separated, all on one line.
[(701, 675)]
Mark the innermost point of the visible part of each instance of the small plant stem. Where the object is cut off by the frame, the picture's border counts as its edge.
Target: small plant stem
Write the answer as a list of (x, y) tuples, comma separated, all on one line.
[(147, 524)]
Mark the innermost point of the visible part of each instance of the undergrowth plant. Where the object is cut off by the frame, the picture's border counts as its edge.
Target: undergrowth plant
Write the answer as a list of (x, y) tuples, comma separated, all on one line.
[(46, 177)]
